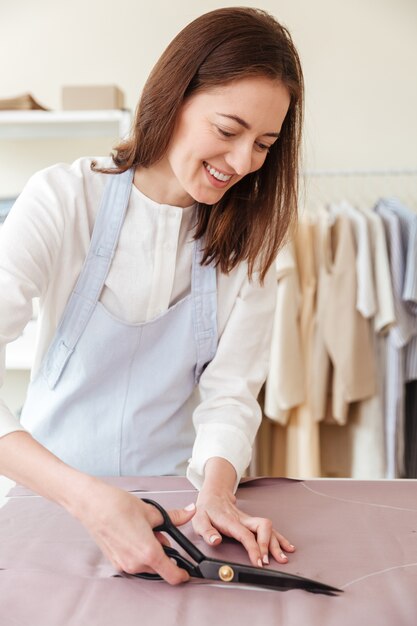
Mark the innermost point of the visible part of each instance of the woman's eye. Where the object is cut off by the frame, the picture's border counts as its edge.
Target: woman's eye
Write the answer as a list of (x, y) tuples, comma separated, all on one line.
[(225, 133), (263, 147)]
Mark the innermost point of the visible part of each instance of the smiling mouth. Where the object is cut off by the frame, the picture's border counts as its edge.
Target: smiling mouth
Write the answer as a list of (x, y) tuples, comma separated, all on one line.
[(223, 178)]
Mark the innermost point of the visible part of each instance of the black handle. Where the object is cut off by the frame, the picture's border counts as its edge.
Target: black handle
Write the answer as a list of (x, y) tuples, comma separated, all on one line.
[(175, 533)]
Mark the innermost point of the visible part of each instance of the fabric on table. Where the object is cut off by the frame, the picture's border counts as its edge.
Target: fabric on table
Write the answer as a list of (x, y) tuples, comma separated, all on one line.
[(357, 535)]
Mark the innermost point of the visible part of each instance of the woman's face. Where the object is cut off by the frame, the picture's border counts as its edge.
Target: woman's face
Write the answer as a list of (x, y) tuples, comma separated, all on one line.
[(220, 136)]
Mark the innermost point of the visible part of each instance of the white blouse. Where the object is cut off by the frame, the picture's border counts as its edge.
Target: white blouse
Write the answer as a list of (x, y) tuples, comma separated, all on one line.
[(43, 244)]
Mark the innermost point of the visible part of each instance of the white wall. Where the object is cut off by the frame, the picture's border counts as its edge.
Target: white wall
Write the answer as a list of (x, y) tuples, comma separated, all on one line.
[(359, 59)]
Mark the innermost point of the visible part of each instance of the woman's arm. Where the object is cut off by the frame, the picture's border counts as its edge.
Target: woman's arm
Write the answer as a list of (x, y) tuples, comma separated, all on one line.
[(119, 523), (217, 513), (228, 417)]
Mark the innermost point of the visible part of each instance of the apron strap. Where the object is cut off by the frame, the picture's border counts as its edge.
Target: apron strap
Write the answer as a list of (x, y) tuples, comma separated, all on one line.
[(204, 296), (96, 266)]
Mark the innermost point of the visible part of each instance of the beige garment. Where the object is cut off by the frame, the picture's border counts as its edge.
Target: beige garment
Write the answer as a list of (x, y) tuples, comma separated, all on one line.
[(285, 386), (303, 445), (343, 360), (269, 452)]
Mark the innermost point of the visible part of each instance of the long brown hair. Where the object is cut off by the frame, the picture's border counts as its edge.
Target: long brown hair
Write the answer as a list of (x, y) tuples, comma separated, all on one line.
[(252, 218)]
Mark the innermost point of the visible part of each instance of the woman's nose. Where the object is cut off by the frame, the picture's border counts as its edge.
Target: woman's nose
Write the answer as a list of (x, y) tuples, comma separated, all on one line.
[(240, 158)]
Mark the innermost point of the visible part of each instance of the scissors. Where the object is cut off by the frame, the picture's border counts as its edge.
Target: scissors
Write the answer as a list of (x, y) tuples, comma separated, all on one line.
[(227, 571)]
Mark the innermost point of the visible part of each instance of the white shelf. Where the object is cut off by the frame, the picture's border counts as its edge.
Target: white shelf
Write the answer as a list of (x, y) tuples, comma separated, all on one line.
[(57, 124)]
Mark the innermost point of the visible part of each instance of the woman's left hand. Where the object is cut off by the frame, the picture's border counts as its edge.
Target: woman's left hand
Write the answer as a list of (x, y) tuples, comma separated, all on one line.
[(217, 513)]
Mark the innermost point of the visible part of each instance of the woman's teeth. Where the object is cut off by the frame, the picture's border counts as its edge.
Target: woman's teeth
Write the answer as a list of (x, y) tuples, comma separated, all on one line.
[(223, 177)]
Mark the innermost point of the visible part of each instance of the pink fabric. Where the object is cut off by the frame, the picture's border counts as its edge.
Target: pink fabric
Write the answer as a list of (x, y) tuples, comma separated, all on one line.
[(357, 535)]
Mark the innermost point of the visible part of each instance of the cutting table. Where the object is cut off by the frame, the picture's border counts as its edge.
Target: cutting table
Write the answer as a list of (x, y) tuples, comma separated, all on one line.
[(360, 536)]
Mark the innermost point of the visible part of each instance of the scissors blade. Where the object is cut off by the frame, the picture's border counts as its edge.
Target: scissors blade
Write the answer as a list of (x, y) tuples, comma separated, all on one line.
[(235, 572)]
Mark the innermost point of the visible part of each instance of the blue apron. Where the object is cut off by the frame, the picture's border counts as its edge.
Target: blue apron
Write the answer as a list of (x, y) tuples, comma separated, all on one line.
[(113, 398)]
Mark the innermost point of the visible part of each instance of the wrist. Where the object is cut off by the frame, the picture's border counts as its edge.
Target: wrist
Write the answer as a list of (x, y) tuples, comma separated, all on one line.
[(81, 494), (219, 476)]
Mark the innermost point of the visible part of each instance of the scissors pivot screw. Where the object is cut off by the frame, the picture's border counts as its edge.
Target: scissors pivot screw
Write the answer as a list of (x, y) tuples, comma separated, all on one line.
[(226, 573)]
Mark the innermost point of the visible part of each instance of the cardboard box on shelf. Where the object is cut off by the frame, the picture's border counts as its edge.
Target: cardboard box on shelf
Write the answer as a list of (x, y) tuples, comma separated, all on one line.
[(92, 97)]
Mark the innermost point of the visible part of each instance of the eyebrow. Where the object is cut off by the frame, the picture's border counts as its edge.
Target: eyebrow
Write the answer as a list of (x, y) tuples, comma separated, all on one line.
[(239, 120)]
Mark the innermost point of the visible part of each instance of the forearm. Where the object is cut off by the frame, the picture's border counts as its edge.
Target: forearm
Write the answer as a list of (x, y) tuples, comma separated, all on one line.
[(28, 463)]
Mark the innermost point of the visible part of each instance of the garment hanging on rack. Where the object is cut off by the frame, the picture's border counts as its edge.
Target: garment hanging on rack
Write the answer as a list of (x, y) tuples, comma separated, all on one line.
[(363, 435), (384, 315), (360, 442), (284, 388), (342, 347), (365, 290), (303, 441), (402, 337)]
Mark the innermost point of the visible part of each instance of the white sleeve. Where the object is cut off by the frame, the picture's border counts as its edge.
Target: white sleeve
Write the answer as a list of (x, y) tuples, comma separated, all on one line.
[(228, 416), (30, 240)]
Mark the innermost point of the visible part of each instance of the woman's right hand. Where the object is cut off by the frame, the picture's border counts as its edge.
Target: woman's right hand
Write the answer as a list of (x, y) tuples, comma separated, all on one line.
[(122, 526)]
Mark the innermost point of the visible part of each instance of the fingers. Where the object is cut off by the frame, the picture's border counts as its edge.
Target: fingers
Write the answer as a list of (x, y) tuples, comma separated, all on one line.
[(249, 541), (231, 527), (153, 559), (168, 569), (182, 516), (269, 540), (277, 544), (178, 516), (132, 546), (284, 543), (205, 529), (263, 529), (163, 539)]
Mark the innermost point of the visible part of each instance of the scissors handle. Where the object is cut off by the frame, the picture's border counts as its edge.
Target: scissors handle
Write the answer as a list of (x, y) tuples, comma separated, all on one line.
[(180, 560), (168, 527)]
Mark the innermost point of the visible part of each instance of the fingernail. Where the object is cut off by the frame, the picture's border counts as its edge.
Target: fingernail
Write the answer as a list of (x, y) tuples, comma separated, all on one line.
[(259, 563), (265, 559), (283, 556), (291, 546), (190, 507), (214, 538)]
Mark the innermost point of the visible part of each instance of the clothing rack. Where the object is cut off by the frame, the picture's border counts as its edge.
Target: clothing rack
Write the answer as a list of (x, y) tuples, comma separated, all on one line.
[(360, 186), (359, 173)]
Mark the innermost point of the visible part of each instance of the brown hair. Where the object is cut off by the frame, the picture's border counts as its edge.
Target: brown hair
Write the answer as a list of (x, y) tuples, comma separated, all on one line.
[(252, 218)]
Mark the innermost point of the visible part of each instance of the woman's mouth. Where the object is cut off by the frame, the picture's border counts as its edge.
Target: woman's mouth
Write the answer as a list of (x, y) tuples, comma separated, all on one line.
[(216, 177)]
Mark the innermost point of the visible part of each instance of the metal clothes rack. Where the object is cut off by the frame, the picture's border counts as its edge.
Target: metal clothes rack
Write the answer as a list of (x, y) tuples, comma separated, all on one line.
[(362, 186), (359, 173)]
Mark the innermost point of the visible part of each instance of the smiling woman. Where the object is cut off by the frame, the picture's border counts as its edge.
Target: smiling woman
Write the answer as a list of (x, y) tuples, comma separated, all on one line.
[(228, 147), (244, 62), (152, 269)]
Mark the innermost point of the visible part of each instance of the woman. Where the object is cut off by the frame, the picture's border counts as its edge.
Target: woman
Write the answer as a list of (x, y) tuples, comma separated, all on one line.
[(153, 272)]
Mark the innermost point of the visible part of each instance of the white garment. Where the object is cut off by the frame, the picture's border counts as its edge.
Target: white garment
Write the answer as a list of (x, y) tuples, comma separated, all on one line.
[(285, 387), (365, 295), (384, 315), (43, 244)]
